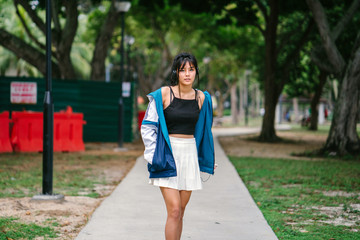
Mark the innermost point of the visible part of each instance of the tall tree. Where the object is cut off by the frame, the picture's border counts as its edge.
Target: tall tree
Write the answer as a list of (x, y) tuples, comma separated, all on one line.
[(102, 43), (285, 27), (343, 137), (65, 15)]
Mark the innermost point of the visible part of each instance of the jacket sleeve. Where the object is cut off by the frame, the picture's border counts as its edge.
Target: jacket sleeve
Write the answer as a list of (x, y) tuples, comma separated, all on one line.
[(149, 130)]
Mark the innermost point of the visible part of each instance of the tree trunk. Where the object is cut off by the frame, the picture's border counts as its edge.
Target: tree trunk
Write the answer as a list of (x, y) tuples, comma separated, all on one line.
[(234, 108), (102, 45), (220, 106), (315, 101), (222, 99), (66, 68), (343, 138), (64, 40), (268, 133), (241, 99)]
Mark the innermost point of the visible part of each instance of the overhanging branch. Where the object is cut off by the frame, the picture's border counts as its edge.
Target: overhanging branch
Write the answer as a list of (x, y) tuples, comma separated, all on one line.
[(32, 14), (331, 50), (26, 52), (27, 30), (345, 19), (263, 10)]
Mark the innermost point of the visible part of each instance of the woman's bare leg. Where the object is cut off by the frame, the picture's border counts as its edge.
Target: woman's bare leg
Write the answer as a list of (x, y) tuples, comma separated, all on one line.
[(173, 206), (184, 197)]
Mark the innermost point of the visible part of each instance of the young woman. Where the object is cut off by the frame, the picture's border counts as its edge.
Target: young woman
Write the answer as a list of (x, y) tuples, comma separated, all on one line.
[(176, 132)]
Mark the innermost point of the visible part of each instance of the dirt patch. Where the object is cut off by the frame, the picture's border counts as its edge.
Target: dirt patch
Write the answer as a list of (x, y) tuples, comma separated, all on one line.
[(294, 143), (70, 216), (338, 215)]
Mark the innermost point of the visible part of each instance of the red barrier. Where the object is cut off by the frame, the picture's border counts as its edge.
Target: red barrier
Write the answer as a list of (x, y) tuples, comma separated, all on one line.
[(27, 132), (68, 131), (5, 145), (141, 115)]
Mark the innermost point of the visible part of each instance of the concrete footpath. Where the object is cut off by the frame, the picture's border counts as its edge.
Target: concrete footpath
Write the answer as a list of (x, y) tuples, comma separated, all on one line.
[(223, 210)]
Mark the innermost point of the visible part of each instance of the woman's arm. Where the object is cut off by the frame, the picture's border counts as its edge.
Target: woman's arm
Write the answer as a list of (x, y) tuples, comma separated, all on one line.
[(201, 98), (165, 93)]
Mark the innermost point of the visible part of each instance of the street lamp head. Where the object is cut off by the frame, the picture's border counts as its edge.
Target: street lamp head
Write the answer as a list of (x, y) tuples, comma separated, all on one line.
[(129, 39), (122, 6)]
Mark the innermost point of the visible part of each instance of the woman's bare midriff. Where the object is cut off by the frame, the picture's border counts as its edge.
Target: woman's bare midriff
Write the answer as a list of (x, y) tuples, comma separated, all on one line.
[(181, 135)]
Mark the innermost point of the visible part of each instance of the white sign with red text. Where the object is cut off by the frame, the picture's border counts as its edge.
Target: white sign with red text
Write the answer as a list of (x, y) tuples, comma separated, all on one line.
[(23, 92)]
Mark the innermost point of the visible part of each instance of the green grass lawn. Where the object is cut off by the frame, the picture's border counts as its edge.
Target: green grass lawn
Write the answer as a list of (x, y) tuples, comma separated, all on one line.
[(302, 199), (21, 174), (11, 229), (75, 174)]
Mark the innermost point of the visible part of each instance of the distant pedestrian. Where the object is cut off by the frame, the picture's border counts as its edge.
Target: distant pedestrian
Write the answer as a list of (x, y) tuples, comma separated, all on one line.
[(176, 132)]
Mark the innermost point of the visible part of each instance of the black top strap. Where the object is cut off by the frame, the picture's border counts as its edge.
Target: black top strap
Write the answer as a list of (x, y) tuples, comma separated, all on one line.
[(171, 94)]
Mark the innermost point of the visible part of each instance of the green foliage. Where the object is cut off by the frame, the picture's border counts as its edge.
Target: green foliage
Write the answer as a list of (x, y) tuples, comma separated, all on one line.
[(10, 21), (10, 228), (291, 192), (95, 19)]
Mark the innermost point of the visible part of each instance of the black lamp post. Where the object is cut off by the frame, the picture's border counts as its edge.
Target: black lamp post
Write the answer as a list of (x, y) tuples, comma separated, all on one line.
[(48, 113), (122, 7), (48, 121)]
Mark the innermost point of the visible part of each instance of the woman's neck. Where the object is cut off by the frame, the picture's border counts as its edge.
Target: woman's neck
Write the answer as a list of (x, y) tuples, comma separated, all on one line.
[(184, 89)]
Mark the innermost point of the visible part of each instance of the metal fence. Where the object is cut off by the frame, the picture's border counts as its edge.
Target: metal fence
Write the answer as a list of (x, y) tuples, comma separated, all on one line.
[(98, 101)]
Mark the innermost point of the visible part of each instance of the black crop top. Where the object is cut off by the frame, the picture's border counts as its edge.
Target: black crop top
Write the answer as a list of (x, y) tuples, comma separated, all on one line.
[(181, 115)]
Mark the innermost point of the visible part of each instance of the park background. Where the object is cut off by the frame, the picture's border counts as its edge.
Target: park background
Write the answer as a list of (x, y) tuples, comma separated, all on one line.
[(264, 63)]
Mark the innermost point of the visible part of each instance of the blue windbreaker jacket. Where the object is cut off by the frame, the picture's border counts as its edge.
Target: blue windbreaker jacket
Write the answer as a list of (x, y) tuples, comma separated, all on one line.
[(155, 136)]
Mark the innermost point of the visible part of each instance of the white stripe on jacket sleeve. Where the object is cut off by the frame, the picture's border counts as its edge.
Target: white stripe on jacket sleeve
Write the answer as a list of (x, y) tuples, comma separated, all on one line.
[(149, 130)]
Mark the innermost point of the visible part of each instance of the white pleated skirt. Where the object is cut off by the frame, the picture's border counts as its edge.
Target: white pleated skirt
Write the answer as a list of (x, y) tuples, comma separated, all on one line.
[(187, 166)]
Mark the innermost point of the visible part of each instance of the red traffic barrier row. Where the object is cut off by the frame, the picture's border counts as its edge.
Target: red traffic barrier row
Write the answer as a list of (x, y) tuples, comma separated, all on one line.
[(27, 131), (5, 145)]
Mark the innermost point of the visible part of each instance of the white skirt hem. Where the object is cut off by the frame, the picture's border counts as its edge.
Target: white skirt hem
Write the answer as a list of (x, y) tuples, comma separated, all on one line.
[(187, 167)]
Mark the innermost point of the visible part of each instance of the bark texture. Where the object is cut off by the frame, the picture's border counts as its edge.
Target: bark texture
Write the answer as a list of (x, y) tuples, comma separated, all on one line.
[(343, 138), (102, 45), (64, 38), (268, 133)]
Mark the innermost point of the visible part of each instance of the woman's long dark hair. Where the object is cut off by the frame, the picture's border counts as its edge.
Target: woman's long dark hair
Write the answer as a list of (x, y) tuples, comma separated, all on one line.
[(179, 62)]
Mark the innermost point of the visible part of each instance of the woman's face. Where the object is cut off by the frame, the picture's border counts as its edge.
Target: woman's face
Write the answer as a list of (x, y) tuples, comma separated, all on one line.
[(187, 75)]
